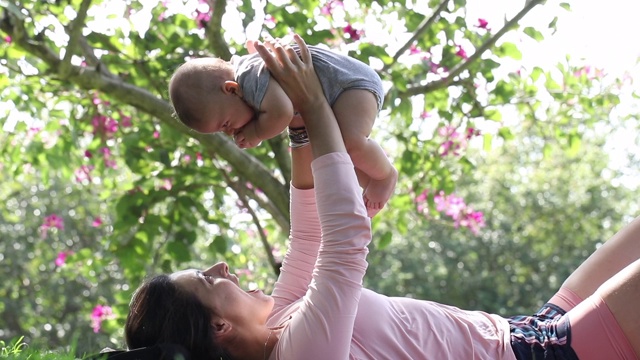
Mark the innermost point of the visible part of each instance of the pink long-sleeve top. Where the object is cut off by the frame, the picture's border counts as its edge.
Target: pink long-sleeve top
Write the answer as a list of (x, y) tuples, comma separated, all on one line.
[(327, 314)]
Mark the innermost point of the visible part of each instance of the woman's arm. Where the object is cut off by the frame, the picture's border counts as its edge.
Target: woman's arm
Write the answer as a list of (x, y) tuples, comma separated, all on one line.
[(324, 325), (302, 253)]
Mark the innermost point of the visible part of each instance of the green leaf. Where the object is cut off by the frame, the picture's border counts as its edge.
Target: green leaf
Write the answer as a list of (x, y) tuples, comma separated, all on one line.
[(505, 133), (487, 139), (553, 24), (575, 143), (179, 251), (533, 33), (546, 151), (565, 6), (535, 73), (510, 50), (219, 244), (385, 240)]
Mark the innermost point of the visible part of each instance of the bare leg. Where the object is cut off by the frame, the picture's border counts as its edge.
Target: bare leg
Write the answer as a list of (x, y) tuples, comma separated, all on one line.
[(607, 324), (356, 111), (608, 260), (621, 293)]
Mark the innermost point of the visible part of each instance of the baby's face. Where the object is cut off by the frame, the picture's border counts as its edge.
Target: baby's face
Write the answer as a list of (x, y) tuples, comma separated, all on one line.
[(229, 115)]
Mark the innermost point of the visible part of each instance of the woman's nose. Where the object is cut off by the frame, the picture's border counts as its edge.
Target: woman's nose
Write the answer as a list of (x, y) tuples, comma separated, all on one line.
[(221, 269)]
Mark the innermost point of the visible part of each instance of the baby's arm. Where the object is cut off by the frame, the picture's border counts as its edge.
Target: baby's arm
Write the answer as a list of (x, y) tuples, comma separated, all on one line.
[(276, 111)]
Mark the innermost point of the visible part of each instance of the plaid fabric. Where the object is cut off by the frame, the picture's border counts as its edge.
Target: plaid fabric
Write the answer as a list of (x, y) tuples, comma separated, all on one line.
[(544, 335)]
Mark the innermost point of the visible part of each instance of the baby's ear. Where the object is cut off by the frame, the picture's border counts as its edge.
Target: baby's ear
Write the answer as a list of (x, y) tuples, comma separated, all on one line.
[(231, 87)]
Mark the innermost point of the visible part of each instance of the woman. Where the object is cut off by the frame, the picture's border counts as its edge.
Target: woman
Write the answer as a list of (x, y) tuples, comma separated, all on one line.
[(319, 310)]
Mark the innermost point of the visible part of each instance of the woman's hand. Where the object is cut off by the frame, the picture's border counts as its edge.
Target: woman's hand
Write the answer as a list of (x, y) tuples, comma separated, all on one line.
[(299, 80), (294, 73)]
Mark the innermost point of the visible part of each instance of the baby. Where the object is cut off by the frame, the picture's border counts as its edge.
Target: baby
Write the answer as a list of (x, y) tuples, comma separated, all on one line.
[(240, 98)]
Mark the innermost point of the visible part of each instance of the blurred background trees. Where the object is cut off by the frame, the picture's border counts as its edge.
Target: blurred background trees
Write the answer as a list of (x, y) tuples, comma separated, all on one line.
[(506, 183)]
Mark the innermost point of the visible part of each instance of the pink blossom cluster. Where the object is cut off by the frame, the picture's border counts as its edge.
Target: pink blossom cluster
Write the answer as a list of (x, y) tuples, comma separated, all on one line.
[(105, 127), (203, 14), (7, 39), (99, 314), (353, 33), (52, 221), (454, 141), (589, 72), (61, 258), (330, 7), (454, 207), (425, 56), (483, 24)]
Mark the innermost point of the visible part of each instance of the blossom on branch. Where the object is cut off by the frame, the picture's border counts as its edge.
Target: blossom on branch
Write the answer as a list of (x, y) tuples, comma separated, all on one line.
[(99, 314)]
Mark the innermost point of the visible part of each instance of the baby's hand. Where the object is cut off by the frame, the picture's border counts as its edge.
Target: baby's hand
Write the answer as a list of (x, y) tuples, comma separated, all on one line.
[(247, 137)]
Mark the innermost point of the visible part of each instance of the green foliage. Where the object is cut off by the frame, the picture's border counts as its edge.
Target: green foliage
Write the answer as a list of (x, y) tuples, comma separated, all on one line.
[(91, 136)]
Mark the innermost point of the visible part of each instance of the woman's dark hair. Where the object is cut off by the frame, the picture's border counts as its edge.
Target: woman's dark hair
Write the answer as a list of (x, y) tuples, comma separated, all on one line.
[(160, 312)]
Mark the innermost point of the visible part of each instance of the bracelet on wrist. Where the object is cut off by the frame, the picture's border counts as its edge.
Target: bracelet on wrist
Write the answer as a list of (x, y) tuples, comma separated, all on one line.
[(298, 137)]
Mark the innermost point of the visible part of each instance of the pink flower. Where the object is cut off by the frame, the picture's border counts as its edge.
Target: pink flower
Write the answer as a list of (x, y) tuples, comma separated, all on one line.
[(424, 115), (202, 15), (461, 53), (330, 7), (186, 158), (199, 156), (354, 34), (88, 154), (471, 132), (156, 134), (166, 184), (126, 121), (413, 50), (106, 152), (269, 21), (8, 39), (111, 125), (61, 258), (104, 125), (482, 24), (96, 222), (83, 173), (53, 221), (109, 163), (99, 314), (461, 214), (244, 272), (451, 205), (454, 142)]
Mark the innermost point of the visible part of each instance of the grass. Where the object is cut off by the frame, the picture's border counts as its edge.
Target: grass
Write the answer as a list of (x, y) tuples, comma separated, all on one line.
[(19, 350)]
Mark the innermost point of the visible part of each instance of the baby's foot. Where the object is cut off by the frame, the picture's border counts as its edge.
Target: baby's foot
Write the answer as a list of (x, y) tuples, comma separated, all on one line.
[(378, 192)]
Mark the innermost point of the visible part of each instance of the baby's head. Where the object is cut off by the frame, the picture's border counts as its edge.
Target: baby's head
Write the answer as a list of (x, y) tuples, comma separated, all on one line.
[(206, 98)]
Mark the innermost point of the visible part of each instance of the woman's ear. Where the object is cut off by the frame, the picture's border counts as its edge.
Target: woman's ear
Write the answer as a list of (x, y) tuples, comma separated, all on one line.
[(220, 327), (231, 87)]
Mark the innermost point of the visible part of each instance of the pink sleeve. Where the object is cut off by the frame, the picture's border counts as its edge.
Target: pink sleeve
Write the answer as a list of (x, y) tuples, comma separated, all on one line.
[(300, 260), (323, 326)]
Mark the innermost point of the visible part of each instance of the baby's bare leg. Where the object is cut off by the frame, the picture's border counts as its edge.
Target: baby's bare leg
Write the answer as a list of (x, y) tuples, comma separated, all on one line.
[(356, 111)]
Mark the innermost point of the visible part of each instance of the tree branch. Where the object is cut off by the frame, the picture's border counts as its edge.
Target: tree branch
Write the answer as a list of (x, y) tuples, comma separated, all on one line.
[(421, 29), (282, 156), (241, 191), (214, 34), (89, 78), (75, 33), (458, 69)]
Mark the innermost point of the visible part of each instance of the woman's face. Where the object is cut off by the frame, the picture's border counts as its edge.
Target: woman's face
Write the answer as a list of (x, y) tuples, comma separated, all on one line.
[(219, 290)]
